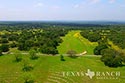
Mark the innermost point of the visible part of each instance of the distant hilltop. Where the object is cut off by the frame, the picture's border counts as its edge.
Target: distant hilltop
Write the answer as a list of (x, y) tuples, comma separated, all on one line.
[(79, 23)]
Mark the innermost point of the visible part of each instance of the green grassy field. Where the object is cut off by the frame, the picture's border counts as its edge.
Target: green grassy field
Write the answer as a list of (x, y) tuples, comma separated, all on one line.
[(48, 69), (74, 41)]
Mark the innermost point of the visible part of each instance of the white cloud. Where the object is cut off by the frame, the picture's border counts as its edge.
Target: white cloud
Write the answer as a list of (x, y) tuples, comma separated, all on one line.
[(112, 1), (56, 7), (39, 4), (80, 5), (94, 1), (76, 6), (86, 2)]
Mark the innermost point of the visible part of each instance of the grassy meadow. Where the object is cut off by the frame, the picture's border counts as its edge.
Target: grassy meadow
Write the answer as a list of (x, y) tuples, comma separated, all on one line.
[(48, 69), (74, 41)]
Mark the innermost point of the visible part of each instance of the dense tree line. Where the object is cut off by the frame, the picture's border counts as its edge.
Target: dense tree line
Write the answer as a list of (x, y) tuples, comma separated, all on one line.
[(42, 40), (118, 38), (46, 40), (91, 35)]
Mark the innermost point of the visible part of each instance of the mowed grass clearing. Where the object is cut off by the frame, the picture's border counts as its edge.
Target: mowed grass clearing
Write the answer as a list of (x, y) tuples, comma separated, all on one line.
[(48, 69), (74, 41)]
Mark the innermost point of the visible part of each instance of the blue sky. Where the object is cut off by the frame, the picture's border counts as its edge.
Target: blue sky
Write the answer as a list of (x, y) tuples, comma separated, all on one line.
[(112, 10)]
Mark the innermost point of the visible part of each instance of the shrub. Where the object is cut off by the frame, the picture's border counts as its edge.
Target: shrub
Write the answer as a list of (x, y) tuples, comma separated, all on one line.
[(18, 57), (62, 58), (4, 40), (13, 45), (71, 53), (48, 50), (0, 53), (123, 57), (99, 48), (4, 48), (28, 78), (27, 66), (33, 54)]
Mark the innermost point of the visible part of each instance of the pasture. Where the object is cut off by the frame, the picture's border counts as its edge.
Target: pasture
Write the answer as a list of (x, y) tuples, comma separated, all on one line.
[(74, 41), (48, 69)]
